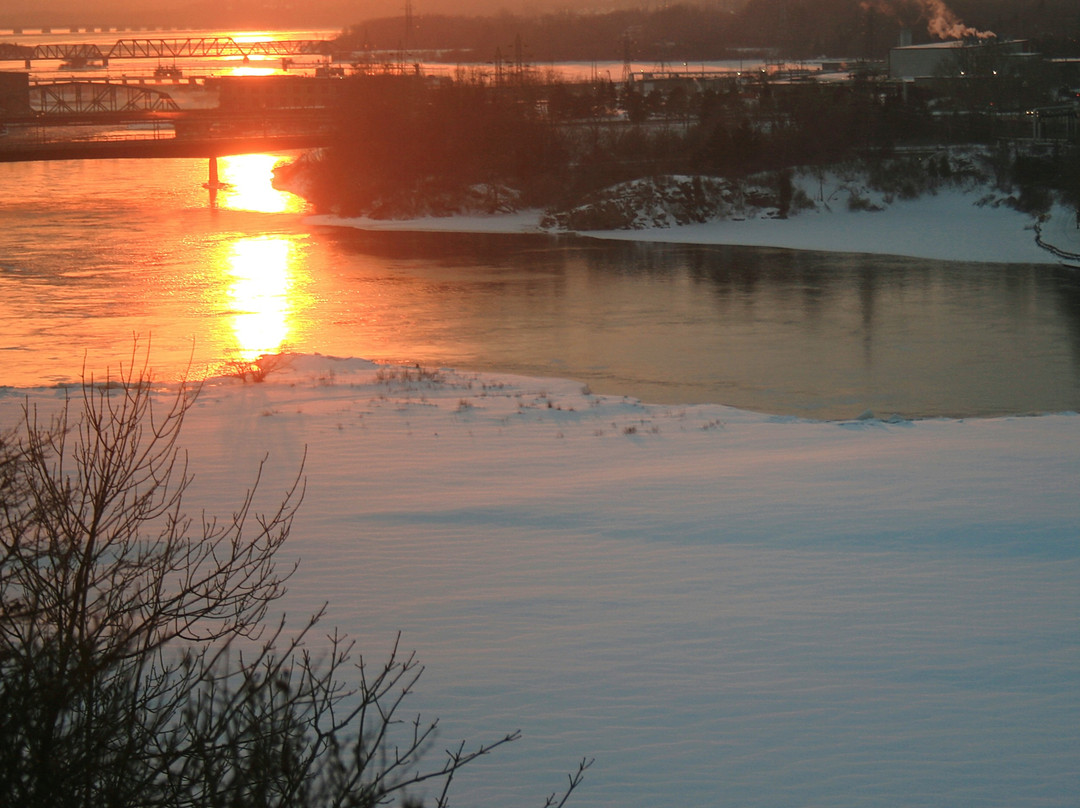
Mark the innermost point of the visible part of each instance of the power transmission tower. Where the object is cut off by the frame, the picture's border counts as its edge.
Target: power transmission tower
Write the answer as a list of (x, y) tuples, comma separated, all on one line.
[(408, 34)]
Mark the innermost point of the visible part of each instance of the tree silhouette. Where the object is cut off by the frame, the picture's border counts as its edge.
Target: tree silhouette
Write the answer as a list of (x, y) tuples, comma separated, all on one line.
[(136, 664)]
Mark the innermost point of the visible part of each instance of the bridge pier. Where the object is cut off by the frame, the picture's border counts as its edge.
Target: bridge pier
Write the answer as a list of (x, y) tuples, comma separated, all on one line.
[(213, 182)]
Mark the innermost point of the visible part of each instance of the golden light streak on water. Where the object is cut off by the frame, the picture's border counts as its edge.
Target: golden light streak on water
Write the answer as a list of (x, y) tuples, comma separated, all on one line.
[(250, 70), (248, 180), (261, 285), (255, 36)]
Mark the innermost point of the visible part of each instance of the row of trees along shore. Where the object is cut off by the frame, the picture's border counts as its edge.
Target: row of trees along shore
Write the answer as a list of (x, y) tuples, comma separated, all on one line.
[(407, 145), (693, 31)]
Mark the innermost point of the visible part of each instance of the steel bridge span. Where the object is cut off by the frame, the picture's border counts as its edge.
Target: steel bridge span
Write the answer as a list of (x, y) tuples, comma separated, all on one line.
[(192, 47), (88, 97), (209, 147), (97, 120)]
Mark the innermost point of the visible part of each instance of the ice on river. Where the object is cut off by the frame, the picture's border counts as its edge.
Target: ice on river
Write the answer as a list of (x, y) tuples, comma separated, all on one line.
[(724, 608)]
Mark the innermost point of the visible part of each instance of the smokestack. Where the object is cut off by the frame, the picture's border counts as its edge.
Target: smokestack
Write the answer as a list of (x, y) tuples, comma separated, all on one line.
[(905, 38)]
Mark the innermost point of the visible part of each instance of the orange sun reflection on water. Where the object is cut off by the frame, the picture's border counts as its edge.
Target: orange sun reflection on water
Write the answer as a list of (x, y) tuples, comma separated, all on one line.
[(263, 295), (250, 70), (247, 179)]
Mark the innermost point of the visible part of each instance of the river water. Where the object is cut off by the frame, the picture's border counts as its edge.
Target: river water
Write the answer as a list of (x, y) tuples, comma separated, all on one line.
[(778, 664), (96, 254)]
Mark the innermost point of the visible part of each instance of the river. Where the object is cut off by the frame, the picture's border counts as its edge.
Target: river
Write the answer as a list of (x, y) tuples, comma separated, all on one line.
[(706, 612), (95, 254)]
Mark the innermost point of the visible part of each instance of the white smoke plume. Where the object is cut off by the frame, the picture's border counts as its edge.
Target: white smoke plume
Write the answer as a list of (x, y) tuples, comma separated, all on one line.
[(941, 22)]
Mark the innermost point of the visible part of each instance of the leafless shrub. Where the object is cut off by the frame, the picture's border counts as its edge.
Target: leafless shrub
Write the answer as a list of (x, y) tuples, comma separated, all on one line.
[(390, 374), (136, 664), (256, 370)]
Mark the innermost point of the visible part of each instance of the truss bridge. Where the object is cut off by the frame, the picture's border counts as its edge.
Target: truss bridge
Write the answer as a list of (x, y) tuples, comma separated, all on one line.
[(73, 119), (90, 97), (192, 47)]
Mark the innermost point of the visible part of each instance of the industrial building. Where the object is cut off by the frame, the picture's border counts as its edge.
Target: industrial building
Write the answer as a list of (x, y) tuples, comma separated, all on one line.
[(936, 58)]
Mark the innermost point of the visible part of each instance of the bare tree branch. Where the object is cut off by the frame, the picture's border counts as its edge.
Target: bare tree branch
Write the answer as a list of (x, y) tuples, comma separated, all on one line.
[(137, 668)]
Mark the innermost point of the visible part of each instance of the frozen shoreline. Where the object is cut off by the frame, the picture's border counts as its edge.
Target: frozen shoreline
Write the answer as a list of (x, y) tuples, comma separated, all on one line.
[(716, 604), (947, 226)]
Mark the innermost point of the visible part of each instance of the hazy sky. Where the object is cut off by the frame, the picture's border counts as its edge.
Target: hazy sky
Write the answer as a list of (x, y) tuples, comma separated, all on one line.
[(61, 13)]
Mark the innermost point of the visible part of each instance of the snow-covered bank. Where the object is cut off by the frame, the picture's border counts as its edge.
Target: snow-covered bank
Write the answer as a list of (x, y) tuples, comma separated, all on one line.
[(527, 221), (947, 226), (724, 608), (954, 224)]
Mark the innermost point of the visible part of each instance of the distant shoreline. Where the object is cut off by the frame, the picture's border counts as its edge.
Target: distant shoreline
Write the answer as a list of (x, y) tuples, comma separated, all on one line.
[(946, 226)]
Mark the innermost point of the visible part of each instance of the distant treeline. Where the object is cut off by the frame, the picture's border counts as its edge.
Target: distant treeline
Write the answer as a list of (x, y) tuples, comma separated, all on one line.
[(403, 142), (409, 147), (682, 32)]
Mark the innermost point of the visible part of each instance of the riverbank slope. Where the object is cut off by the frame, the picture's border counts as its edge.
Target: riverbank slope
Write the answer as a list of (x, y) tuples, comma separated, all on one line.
[(956, 222)]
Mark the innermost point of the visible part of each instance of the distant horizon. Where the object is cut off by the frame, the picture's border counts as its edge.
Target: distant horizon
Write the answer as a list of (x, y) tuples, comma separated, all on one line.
[(61, 15)]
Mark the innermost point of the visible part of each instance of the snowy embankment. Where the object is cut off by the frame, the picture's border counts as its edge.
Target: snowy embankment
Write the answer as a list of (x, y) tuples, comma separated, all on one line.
[(957, 221), (950, 225), (724, 608)]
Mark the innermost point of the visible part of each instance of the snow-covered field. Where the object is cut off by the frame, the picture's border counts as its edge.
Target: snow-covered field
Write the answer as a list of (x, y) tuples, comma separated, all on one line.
[(724, 608)]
